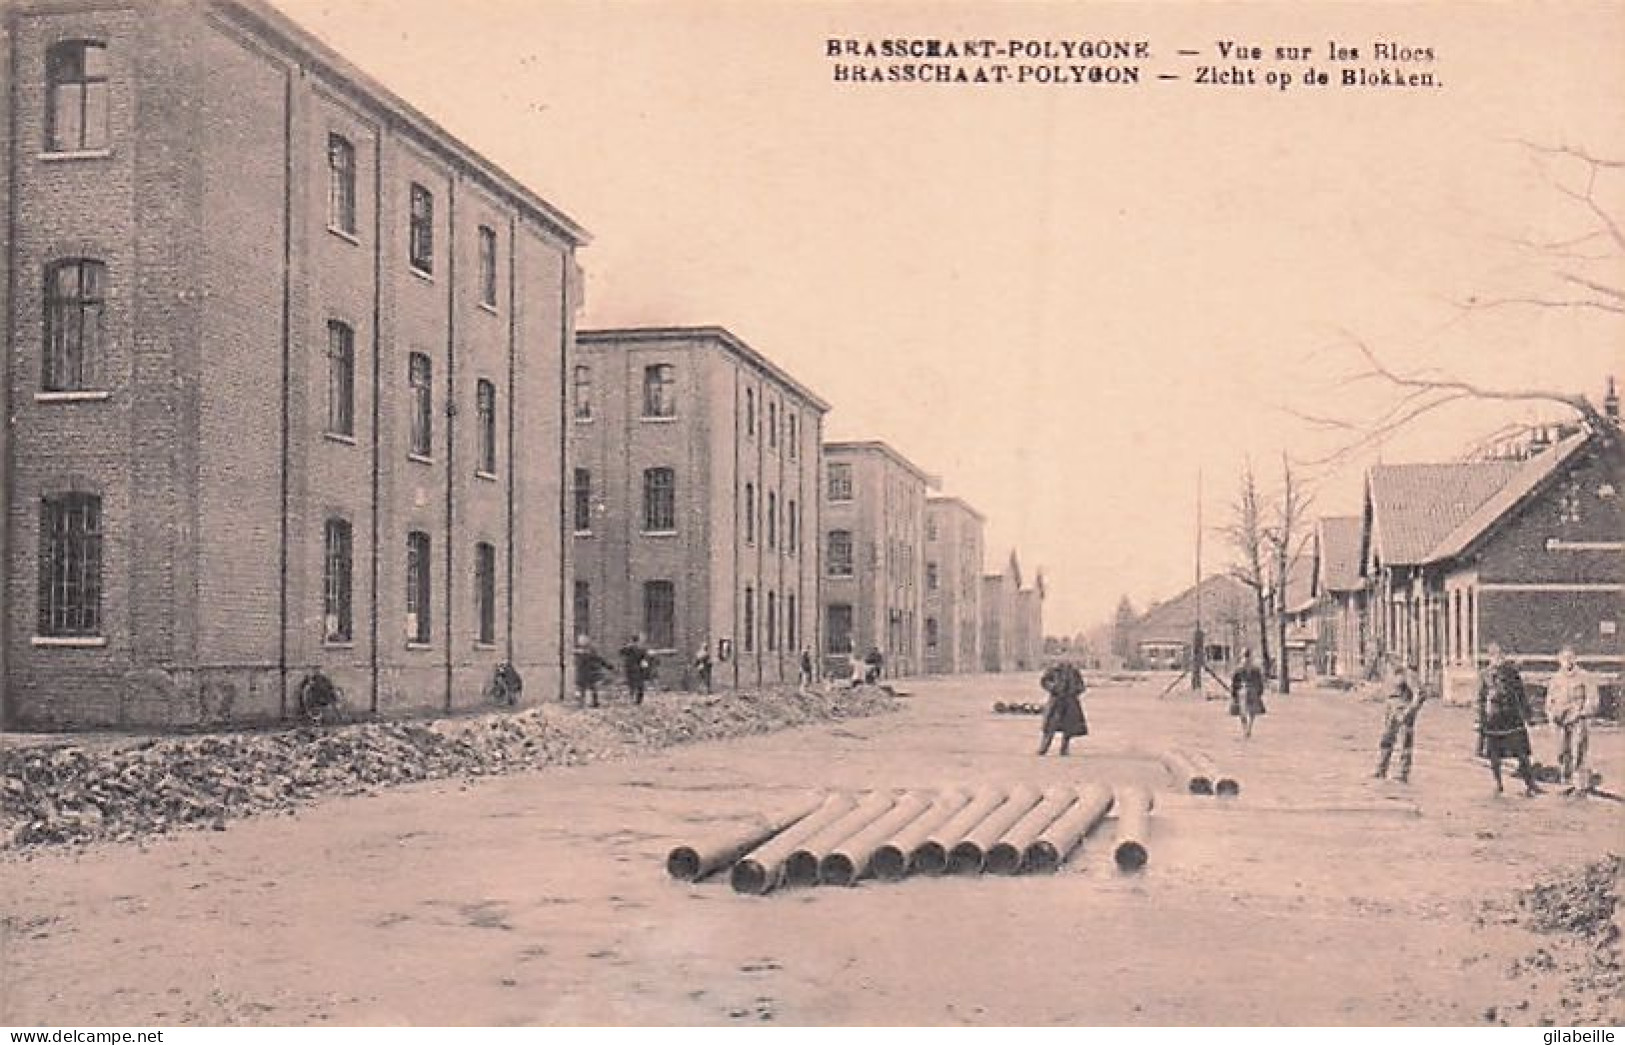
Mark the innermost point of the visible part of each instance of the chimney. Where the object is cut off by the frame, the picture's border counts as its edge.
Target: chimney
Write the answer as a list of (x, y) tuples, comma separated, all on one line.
[(1610, 402)]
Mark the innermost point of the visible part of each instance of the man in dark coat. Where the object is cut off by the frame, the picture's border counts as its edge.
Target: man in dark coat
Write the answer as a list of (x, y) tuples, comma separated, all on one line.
[(1063, 713), (1503, 719), (590, 668), (1247, 692), (875, 662), (635, 666)]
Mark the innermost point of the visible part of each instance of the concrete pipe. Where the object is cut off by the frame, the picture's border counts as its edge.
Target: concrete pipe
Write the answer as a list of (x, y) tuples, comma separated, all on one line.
[(801, 867), (1050, 850), (1133, 808), (1004, 857), (1224, 786), (690, 863), (890, 860), (849, 861), (931, 855), (968, 854), (763, 869), (1188, 776)]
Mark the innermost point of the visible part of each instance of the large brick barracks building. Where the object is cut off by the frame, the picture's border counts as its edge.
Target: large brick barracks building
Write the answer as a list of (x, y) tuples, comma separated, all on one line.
[(284, 368)]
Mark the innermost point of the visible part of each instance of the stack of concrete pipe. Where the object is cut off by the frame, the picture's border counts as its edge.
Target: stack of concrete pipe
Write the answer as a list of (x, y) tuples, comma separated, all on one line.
[(840, 839), (1194, 772), (1001, 708)]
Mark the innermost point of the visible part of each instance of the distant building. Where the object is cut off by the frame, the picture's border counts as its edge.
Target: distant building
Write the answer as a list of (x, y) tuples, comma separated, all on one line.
[(1226, 610), (282, 371), (1012, 620), (1340, 598), (953, 586), (694, 502), (873, 556)]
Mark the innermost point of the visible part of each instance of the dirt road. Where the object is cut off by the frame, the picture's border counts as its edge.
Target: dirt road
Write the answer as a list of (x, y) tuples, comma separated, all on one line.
[(1319, 896)]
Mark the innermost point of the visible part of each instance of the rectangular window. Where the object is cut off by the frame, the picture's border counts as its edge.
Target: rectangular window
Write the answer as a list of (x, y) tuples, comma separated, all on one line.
[(485, 414), (583, 392), (839, 556), (485, 593), (336, 570), (931, 576), (660, 614), (792, 522), (772, 519), (420, 244), (750, 513), (792, 623), (773, 424), (70, 566), (340, 379), (840, 482), (582, 493), (75, 292), (659, 501), (418, 570), (340, 184), (488, 266), (931, 633), (660, 390), (772, 621), (930, 528), (750, 619), (750, 411), (581, 607), (793, 435), (838, 628), (76, 98), (420, 378)]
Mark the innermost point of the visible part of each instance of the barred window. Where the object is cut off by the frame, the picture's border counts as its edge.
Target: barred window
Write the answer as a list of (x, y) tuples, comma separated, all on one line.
[(420, 378), (488, 266), (583, 392), (659, 390), (485, 411), (76, 102), (582, 493), (336, 573), (659, 500), (75, 293), (420, 233), (840, 482), (793, 434), (750, 411), (340, 184), (838, 627), (485, 593), (70, 566), (660, 614), (417, 587), (340, 379), (839, 556), (773, 424)]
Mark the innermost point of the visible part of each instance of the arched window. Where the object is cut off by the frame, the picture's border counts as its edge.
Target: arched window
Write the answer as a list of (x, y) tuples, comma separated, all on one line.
[(75, 292), (750, 513), (485, 593), (76, 103)]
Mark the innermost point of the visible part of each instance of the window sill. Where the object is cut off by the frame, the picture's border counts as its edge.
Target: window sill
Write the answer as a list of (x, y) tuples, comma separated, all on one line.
[(485, 647), (582, 533), (659, 533), (339, 437), (76, 154), (420, 458), (418, 646), (425, 276), (348, 237), (338, 644), (68, 641), (489, 477), (658, 419), (486, 306), (87, 396), (583, 420)]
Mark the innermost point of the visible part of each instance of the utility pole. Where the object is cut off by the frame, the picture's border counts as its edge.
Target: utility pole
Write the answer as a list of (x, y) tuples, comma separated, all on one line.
[(1198, 644)]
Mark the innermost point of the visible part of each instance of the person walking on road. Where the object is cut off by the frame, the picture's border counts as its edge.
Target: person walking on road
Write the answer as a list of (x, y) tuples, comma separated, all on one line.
[(635, 665), (1400, 707), (1503, 719), (805, 679), (1247, 692), (1572, 701), (1063, 713), (590, 668)]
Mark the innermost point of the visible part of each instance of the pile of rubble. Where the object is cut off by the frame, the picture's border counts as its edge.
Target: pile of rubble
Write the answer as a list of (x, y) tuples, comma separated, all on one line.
[(61, 793), (1580, 978)]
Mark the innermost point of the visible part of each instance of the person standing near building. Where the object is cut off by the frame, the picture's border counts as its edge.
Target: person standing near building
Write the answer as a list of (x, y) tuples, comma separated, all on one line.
[(590, 668), (805, 679), (1063, 713), (1503, 719), (1404, 700), (702, 666), (635, 666), (1247, 692), (1571, 703), (876, 662)]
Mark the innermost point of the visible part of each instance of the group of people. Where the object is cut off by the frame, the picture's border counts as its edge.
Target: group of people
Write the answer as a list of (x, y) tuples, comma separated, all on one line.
[(638, 669)]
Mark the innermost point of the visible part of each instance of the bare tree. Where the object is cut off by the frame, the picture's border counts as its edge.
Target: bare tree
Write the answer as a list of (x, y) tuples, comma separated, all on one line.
[(1246, 534), (1286, 537)]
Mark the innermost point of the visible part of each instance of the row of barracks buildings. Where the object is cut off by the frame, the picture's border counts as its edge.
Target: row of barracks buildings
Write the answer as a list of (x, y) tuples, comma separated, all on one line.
[(1523, 548), (293, 385)]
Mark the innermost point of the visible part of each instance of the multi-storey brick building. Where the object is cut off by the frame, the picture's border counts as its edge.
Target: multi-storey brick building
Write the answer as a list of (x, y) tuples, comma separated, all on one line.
[(695, 502), (874, 566), (953, 586), (1012, 620), (285, 370)]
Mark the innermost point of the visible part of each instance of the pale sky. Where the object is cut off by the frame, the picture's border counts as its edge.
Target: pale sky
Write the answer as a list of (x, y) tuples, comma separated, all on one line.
[(1063, 300)]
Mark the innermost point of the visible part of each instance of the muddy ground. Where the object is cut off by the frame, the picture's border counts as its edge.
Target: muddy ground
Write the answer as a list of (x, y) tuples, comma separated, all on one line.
[(1319, 896)]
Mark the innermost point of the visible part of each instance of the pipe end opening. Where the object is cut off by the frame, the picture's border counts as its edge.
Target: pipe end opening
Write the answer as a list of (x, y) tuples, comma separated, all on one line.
[(1003, 859), (930, 859), (1042, 858), (801, 869), (683, 864), (1201, 785), (748, 876), (1131, 856), (837, 869), (965, 859), (889, 863), (1228, 788)]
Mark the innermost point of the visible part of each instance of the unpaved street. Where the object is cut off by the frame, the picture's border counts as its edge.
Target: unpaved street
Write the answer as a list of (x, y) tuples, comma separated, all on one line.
[(1319, 896)]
